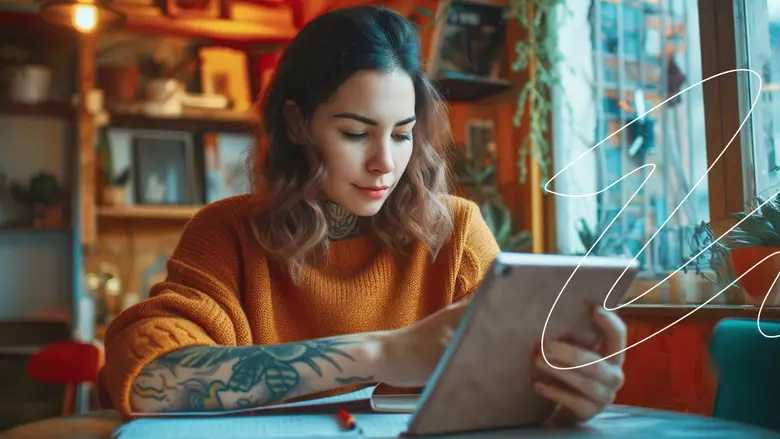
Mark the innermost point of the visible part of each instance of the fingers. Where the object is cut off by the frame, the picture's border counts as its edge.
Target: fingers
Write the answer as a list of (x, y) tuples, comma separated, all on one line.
[(590, 387), (566, 355), (581, 408), (614, 332)]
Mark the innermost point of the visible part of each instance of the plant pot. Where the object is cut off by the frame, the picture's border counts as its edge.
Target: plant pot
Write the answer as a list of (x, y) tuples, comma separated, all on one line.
[(114, 195), (119, 82), (48, 216), (30, 84), (758, 281)]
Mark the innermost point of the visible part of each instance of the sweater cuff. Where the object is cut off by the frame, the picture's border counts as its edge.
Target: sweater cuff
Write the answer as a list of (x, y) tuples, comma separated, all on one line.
[(137, 346)]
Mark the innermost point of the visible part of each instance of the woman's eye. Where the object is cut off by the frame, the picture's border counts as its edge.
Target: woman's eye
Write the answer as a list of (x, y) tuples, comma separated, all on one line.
[(403, 137), (354, 136)]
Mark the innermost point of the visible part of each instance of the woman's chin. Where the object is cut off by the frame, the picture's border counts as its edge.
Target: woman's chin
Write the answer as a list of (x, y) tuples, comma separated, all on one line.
[(365, 208)]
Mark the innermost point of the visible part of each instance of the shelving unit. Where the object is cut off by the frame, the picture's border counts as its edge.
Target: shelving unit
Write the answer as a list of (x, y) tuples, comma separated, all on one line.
[(467, 89), (47, 109), (213, 29), (191, 120), (148, 212)]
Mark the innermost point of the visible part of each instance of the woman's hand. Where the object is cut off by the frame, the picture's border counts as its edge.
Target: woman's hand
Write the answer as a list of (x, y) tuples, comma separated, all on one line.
[(584, 392), (410, 354)]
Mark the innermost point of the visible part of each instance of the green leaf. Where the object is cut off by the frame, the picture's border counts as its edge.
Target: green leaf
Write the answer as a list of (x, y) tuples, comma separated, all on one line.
[(506, 222), (760, 228)]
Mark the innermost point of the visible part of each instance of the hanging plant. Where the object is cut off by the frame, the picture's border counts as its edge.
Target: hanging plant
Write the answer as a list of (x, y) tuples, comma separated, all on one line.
[(537, 52)]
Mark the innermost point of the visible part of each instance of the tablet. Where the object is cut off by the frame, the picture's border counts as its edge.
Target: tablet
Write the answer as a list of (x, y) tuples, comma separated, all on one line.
[(484, 378)]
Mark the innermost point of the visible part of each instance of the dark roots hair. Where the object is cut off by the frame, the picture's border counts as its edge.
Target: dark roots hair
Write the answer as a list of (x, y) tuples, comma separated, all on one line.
[(288, 219)]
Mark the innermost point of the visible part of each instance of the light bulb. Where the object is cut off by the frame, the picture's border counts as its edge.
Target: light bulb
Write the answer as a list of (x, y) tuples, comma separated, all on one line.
[(85, 18)]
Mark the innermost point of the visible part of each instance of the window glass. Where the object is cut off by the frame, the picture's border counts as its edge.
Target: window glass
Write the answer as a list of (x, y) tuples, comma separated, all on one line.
[(604, 85), (758, 48)]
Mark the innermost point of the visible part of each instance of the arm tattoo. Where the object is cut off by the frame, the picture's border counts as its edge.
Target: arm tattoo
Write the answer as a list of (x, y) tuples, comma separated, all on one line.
[(190, 378)]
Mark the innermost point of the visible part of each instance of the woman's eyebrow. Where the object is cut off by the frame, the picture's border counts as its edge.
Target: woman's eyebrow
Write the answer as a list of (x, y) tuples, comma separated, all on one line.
[(369, 121)]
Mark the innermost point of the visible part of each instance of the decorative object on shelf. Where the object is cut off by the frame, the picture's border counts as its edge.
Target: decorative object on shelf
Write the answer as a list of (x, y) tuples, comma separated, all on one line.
[(165, 84), (225, 72), (114, 188), (537, 51), (105, 285), (164, 167), (85, 16), (754, 241), (44, 196), (470, 41), (30, 84), (120, 82), (467, 48), (193, 8)]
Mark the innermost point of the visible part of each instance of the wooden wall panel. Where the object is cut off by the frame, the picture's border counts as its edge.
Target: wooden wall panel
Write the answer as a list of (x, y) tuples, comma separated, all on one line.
[(671, 370)]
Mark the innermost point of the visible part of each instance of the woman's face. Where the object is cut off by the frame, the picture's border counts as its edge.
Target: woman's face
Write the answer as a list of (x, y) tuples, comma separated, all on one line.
[(365, 133)]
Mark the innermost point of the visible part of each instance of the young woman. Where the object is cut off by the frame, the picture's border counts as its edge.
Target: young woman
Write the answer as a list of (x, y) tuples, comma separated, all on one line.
[(348, 265)]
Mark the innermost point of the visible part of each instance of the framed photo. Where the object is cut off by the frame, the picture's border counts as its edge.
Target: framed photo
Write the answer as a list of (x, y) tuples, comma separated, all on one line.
[(468, 40), (194, 8), (164, 166), (225, 72)]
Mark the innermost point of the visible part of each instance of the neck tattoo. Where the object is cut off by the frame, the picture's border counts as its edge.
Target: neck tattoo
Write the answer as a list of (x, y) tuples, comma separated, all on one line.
[(342, 224)]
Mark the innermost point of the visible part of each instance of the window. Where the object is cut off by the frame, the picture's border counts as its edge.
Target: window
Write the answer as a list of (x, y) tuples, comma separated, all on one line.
[(758, 49), (606, 81)]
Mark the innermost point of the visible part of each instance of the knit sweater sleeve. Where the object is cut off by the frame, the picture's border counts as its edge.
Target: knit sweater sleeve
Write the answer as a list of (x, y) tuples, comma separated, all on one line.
[(197, 304), (479, 250)]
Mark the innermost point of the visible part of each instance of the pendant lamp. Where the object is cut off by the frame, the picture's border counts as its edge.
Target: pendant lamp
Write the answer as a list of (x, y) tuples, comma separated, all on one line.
[(82, 15)]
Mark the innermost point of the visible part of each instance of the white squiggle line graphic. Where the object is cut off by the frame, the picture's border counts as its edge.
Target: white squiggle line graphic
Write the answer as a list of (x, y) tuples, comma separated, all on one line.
[(652, 169)]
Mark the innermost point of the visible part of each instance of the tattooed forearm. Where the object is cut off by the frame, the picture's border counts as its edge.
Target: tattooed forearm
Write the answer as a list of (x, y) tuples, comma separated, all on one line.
[(225, 378)]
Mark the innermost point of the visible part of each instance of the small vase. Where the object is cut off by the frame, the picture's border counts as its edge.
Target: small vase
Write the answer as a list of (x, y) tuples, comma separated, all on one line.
[(164, 97)]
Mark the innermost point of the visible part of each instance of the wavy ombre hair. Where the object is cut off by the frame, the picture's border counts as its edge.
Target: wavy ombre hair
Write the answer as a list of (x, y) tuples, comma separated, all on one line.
[(288, 219)]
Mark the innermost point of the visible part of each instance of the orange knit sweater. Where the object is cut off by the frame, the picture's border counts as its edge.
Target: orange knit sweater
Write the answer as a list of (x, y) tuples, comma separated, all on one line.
[(221, 290)]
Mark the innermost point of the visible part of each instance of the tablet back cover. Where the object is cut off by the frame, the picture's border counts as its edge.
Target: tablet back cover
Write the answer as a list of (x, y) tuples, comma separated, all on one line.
[(484, 380)]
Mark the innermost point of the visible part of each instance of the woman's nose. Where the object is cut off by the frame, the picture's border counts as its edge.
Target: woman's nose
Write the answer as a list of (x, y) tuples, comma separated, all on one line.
[(381, 160)]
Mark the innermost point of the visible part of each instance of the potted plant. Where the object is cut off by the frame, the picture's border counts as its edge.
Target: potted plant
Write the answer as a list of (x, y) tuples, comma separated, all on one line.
[(114, 184), (755, 239), (477, 177), (165, 83), (753, 243), (44, 196)]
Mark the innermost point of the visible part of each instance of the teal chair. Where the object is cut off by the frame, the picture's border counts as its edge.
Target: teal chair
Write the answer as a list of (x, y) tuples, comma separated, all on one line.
[(748, 368)]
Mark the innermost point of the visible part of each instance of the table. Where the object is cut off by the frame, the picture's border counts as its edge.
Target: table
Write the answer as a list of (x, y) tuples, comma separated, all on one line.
[(617, 422)]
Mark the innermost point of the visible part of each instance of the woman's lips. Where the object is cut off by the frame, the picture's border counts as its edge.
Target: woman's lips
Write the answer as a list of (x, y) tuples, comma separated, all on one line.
[(373, 192)]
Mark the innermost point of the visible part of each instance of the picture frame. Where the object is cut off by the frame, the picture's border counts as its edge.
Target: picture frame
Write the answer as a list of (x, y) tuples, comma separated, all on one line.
[(225, 72), (468, 41), (165, 168)]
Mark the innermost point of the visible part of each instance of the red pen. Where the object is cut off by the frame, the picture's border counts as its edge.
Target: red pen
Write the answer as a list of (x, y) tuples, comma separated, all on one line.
[(348, 420)]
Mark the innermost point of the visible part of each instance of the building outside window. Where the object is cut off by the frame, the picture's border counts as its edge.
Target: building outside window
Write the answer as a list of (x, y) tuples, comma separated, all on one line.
[(623, 57)]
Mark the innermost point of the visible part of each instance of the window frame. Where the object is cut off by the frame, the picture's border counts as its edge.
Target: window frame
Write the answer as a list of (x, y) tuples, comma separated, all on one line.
[(731, 185)]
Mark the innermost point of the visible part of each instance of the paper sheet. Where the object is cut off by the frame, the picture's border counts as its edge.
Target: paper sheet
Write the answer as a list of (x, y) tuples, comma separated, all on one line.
[(362, 394), (264, 426)]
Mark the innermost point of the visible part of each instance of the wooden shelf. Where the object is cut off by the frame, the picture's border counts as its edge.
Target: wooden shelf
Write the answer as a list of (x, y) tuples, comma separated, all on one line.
[(24, 229), (191, 120), (148, 212), (468, 89), (213, 29), (46, 109)]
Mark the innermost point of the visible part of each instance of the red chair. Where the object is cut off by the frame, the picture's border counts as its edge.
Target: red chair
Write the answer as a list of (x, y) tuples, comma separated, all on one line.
[(69, 363)]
